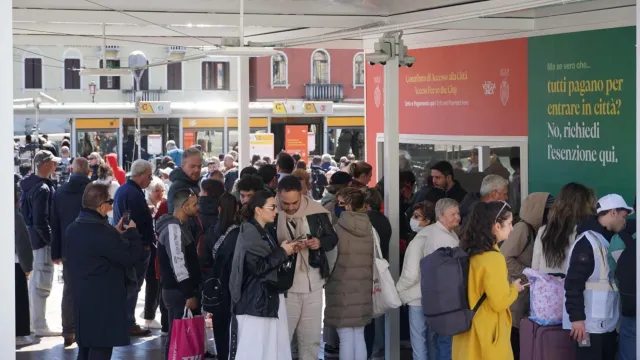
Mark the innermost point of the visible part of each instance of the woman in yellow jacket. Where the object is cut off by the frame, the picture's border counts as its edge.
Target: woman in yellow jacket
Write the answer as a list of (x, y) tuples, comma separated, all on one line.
[(490, 335)]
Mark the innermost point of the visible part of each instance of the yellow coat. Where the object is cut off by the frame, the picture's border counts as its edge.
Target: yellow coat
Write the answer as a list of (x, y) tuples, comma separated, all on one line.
[(490, 335)]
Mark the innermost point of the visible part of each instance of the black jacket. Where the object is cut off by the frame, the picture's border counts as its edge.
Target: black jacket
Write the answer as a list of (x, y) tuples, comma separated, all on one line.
[(221, 267), (97, 257), (208, 216), (259, 297), (321, 228), (383, 227), (66, 205), (179, 265), (180, 181), (581, 266), (36, 206), (469, 200), (626, 275)]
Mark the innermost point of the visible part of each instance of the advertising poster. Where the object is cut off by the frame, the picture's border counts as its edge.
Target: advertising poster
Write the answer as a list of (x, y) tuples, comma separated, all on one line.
[(297, 141), (261, 144), (582, 111)]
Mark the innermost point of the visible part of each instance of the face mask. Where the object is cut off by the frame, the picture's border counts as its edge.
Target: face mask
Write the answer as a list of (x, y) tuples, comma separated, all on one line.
[(166, 181), (415, 225), (339, 210)]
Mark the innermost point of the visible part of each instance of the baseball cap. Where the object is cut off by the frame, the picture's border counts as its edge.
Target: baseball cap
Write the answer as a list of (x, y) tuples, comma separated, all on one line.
[(167, 171), (612, 202), (44, 156)]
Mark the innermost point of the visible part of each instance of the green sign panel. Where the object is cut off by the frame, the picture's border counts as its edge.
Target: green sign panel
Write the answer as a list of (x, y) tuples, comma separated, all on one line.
[(582, 110)]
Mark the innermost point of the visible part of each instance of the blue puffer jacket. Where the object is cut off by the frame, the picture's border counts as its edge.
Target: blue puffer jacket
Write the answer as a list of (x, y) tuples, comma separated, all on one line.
[(36, 202)]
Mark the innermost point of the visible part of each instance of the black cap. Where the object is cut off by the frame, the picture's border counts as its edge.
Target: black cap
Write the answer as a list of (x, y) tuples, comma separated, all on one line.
[(341, 178)]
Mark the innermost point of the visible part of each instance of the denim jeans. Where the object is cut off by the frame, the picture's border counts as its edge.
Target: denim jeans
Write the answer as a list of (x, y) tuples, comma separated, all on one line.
[(134, 289), (627, 338), (427, 345), (352, 344), (419, 333)]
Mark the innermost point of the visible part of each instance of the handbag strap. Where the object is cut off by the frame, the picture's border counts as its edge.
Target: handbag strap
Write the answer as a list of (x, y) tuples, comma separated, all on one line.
[(377, 251), (482, 299), (187, 313)]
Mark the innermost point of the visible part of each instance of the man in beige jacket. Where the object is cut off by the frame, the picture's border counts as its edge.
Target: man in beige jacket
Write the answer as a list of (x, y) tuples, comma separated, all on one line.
[(302, 219)]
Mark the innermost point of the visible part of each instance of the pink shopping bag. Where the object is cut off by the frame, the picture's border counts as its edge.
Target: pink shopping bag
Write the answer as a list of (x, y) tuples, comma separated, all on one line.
[(187, 338)]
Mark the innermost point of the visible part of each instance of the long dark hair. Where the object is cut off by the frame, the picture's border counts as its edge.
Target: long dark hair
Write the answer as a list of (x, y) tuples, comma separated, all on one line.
[(477, 235), (574, 203), (228, 211), (258, 200)]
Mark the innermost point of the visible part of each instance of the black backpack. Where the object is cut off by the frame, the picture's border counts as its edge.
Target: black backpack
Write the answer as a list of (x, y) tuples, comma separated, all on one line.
[(318, 183), (444, 279), (215, 289)]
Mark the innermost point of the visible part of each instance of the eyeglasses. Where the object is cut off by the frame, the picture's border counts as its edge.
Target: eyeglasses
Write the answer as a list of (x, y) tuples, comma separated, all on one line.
[(504, 205), (110, 202), (270, 207)]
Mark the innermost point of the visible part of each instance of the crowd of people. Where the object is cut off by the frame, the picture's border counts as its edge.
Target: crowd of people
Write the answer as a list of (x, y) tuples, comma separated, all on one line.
[(280, 255)]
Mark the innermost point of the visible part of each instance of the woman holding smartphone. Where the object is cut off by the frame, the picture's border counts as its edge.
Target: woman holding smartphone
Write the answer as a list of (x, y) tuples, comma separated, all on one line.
[(259, 328)]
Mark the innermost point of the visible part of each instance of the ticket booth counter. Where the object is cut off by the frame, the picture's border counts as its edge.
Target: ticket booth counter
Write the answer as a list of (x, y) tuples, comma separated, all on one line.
[(103, 136)]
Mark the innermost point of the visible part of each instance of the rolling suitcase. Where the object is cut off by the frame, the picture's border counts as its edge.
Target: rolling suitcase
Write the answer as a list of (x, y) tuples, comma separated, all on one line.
[(545, 342)]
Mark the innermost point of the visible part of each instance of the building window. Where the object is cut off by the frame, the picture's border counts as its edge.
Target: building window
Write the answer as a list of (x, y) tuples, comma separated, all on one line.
[(215, 75), (174, 76), (33, 73), (72, 74), (358, 70), (279, 70), (320, 67), (110, 82)]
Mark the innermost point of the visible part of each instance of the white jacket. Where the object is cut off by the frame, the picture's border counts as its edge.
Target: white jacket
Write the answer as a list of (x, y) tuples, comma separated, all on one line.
[(428, 240), (538, 262)]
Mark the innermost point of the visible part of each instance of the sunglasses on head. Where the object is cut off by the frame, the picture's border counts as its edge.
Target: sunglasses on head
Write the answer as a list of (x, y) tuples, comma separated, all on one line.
[(504, 205)]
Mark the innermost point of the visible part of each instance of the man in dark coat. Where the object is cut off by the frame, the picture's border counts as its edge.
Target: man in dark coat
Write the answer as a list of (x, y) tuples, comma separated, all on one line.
[(37, 197), (66, 205), (187, 176), (98, 256), (130, 199)]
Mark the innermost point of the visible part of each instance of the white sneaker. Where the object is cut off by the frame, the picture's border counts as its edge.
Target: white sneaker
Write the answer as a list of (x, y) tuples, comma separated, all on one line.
[(25, 340), (47, 333), (165, 334), (152, 325)]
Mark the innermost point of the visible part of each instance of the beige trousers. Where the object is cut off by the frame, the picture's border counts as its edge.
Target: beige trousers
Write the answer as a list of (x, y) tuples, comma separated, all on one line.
[(304, 312)]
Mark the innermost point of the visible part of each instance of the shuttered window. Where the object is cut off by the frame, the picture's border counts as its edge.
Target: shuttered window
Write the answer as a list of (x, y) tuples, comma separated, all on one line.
[(110, 82), (71, 76), (215, 75), (33, 73), (174, 76)]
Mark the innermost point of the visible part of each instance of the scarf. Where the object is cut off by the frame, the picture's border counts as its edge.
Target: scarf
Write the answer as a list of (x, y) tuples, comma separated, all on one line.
[(291, 227)]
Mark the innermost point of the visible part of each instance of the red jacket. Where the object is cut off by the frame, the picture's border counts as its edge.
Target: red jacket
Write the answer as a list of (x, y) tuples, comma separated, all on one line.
[(119, 174)]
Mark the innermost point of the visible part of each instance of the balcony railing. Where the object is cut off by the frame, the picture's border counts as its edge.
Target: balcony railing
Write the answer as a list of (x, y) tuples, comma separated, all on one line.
[(145, 95), (324, 92)]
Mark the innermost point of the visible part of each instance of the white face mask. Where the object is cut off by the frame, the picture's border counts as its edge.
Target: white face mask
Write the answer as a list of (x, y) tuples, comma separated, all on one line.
[(415, 225)]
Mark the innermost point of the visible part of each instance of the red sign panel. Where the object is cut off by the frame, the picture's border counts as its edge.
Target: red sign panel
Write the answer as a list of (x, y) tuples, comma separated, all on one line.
[(297, 141), (475, 89)]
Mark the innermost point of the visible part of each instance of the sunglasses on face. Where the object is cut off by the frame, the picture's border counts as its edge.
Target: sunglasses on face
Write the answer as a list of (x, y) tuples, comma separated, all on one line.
[(342, 203), (110, 202), (270, 207)]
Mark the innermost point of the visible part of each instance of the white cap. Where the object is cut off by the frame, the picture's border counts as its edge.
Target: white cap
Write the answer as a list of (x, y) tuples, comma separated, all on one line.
[(166, 171), (612, 202)]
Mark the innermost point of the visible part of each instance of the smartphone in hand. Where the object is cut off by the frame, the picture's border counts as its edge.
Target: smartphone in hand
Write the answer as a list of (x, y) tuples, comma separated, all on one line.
[(126, 219)]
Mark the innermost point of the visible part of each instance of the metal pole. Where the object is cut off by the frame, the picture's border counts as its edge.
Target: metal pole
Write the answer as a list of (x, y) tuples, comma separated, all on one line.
[(36, 104), (637, 157), (104, 45), (244, 157), (391, 186), (7, 208)]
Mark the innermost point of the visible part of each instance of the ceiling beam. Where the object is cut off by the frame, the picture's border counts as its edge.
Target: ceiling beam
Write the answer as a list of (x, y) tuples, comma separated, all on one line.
[(487, 24), (166, 18)]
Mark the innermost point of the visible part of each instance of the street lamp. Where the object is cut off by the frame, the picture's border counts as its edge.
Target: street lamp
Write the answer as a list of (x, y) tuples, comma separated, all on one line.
[(92, 91)]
